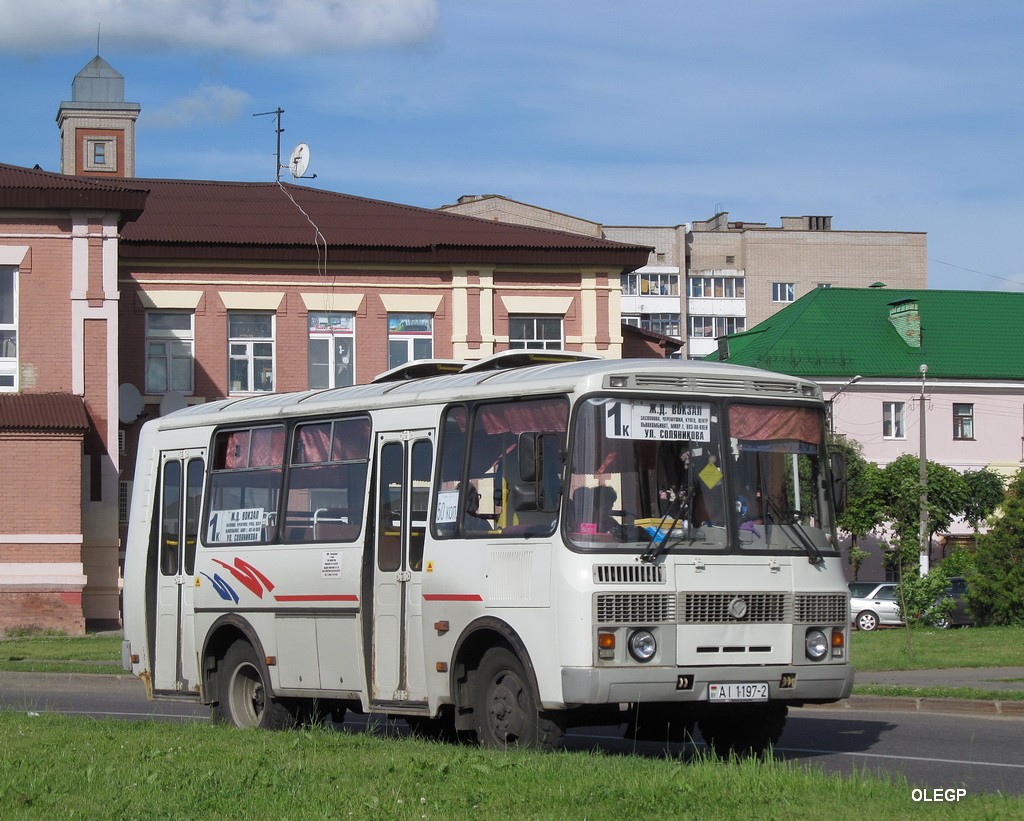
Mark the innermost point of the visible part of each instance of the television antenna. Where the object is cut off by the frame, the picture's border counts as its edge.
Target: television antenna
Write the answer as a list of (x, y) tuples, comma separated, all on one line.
[(299, 160)]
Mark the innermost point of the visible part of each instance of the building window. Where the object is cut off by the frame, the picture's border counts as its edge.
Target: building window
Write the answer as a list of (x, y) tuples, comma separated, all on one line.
[(8, 328), (783, 292), (715, 287), (250, 352), (649, 284), (963, 420), (169, 351), (332, 353), (712, 327), (893, 421), (665, 324), (410, 337), (100, 154), (535, 332)]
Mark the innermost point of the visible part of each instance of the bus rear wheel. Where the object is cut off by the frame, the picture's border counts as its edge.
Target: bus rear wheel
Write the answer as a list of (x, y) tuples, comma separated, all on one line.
[(244, 698), (743, 730), (505, 711)]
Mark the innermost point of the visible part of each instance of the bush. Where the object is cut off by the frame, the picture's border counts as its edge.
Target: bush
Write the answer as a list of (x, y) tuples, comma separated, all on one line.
[(924, 597), (996, 594)]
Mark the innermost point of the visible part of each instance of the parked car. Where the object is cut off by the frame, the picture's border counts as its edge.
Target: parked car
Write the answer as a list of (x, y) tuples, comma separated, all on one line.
[(874, 604), (959, 615)]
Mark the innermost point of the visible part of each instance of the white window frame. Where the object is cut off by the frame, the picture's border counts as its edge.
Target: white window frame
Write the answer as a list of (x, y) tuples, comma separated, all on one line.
[(530, 340), (171, 353), (716, 287), (658, 284), (894, 420), (713, 327), (338, 330), (410, 335), (244, 349), (9, 337), (784, 292)]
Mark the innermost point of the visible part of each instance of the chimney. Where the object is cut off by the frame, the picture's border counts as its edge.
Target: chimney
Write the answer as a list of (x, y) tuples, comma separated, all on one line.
[(905, 317)]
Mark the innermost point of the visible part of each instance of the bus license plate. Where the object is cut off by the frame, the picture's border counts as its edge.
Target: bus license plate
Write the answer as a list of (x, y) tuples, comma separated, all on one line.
[(738, 692)]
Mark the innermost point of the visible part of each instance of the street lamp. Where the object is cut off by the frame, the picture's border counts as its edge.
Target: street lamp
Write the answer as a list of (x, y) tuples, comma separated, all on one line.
[(831, 402)]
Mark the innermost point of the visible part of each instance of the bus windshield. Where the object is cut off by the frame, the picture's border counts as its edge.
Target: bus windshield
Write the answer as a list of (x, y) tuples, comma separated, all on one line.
[(697, 474)]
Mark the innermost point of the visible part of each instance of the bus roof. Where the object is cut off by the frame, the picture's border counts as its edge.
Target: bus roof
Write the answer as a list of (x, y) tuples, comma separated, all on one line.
[(478, 381)]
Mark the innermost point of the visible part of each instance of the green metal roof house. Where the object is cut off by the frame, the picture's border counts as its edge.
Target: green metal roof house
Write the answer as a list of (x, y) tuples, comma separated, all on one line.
[(867, 348)]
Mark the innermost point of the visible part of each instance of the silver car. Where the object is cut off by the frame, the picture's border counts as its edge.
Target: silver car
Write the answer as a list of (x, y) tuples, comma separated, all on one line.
[(874, 604)]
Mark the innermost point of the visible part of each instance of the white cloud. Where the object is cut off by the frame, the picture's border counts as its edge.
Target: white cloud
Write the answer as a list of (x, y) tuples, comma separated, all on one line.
[(211, 103), (251, 27)]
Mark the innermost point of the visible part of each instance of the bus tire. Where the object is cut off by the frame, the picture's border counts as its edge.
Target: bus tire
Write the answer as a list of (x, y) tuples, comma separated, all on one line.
[(743, 730), (505, 711), (244, 698)]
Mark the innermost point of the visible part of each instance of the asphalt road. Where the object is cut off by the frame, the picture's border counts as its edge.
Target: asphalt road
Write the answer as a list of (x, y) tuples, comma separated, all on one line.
[(932, 750)]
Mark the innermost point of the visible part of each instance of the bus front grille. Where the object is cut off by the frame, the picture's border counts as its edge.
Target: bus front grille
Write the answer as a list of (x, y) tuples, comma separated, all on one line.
[(636, 608), (734, 607), (821, 608)]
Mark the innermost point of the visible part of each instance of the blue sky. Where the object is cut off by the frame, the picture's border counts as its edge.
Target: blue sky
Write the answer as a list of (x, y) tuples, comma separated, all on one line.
[(902, 116)]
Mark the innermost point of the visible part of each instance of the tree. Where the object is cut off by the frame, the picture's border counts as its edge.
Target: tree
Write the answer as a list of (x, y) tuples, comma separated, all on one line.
[(985, 492), (996, 593), (864, 497), (901, 507)]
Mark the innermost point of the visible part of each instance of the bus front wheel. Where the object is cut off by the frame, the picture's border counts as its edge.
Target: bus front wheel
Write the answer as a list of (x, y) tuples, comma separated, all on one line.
[(505, 711), (244, 698)]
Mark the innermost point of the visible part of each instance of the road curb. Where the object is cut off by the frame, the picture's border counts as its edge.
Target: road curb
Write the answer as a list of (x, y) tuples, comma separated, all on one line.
[(948, 706)]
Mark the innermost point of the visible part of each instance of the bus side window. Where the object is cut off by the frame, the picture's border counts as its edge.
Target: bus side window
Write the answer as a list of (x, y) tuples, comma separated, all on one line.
[(422, 458), (389, 518), (450, 500)]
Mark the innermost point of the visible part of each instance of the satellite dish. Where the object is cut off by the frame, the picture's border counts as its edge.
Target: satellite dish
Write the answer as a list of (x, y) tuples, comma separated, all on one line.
[(172, 402), (129, 403), (299, 161)]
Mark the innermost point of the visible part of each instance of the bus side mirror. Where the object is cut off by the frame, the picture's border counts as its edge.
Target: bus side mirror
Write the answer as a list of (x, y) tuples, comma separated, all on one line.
[(530, 456), (539, 457), (839, 482)]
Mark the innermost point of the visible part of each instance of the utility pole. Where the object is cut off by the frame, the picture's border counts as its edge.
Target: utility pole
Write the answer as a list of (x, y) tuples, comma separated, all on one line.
[(923, 475)]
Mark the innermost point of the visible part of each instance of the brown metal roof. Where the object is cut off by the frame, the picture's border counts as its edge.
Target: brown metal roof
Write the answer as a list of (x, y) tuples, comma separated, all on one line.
[(34, 189), (242, 220), (43, 412)]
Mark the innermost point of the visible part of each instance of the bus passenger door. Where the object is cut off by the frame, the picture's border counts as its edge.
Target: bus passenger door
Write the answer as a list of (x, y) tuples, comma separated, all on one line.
[(176, 532), (404, 464)]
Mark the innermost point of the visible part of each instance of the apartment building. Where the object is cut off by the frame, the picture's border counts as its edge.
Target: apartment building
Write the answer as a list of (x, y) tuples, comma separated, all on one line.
[(706, 279)]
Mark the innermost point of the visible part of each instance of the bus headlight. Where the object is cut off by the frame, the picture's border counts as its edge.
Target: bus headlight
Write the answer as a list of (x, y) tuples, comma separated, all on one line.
[(642, 645), (816, 644)]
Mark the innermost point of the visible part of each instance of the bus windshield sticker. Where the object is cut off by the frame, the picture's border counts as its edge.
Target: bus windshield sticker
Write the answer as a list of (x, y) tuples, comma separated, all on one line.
[(658, 420), (241, 525), (447, 507)]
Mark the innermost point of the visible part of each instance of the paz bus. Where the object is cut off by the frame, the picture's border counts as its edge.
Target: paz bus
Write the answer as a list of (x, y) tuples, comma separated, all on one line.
[(500, 549)]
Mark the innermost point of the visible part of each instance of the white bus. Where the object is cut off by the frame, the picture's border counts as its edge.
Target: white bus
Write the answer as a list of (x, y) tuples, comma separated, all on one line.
[(500, 549)]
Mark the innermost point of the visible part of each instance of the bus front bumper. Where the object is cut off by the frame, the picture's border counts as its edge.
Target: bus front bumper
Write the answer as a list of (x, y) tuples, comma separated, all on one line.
[(800, 684)]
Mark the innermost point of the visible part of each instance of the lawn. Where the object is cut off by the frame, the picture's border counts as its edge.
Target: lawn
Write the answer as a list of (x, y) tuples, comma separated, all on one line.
[(57, 766), (932, 649)]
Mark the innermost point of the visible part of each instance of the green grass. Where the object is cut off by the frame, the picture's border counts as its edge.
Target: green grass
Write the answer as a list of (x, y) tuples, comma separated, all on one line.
[(936, 692), (35, 653), (57, 766), (932, 649)]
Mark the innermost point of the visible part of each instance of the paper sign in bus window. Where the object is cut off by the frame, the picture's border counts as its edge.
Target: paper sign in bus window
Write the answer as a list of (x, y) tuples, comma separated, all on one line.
[(658, 421), (240, 525)]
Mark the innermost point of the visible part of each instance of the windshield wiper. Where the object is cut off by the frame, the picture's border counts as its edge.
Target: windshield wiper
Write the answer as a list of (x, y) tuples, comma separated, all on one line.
[(791, 521), (656, 547)]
